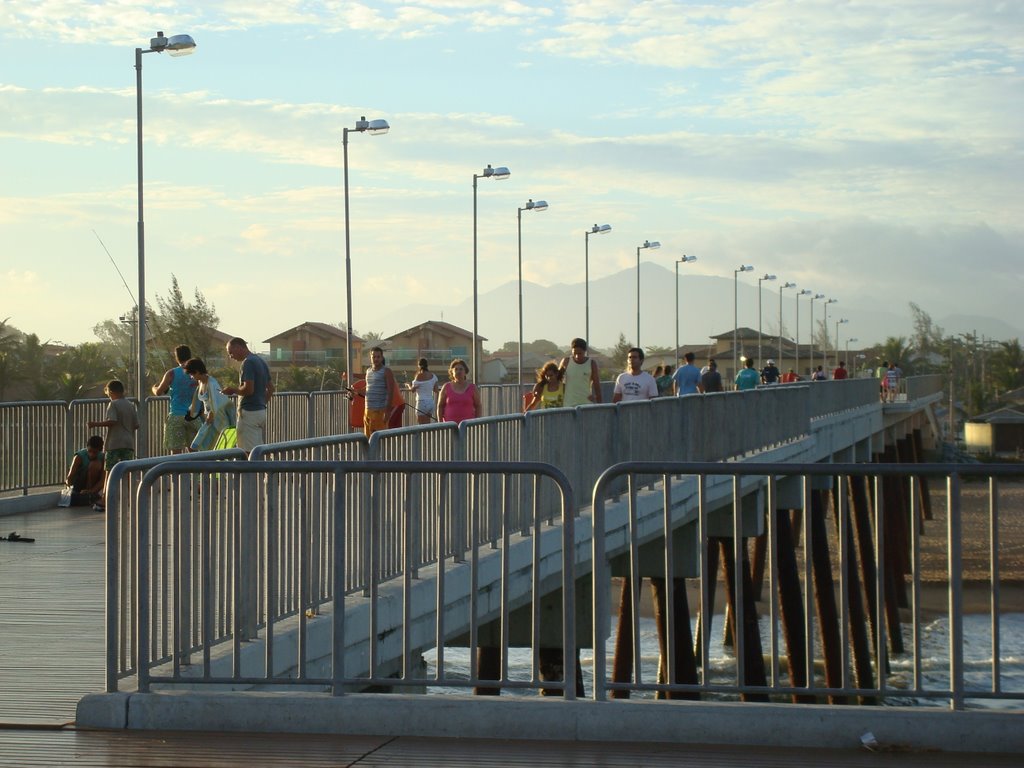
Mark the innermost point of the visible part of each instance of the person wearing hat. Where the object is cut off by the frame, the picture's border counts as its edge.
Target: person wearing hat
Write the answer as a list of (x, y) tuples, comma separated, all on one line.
[(770, 374)]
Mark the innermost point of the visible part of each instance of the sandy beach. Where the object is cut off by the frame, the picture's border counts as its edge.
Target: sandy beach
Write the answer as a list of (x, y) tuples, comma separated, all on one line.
[(976, 539)]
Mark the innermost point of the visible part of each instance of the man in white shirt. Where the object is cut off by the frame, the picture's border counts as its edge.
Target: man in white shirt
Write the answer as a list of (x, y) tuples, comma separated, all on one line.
[(635, 383)]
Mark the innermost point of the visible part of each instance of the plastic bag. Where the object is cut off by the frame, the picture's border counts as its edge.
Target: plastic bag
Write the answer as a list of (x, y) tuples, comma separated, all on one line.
[(65, 497), (228, 439)]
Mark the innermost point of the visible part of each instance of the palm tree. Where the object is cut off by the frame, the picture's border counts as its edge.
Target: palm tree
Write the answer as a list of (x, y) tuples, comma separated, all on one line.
[(1007, 365), (896, 349)]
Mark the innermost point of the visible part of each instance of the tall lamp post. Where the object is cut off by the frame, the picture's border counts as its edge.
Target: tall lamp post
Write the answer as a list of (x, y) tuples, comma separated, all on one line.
[(759, 313), (685, 260), (177, 45), (736, 314), (838, 323), (487, 173), (803, 292), (810, 346), (373, 127), (539, 205), (824, 324), (847, 355), (595, 230), (781, 287), (647, 244)]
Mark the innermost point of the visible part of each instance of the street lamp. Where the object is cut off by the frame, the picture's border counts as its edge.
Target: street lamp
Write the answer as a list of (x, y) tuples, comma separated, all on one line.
[(487, 173), (848, 348), (824, 324), (373, 127), (595, 230), (685, 260), (647, 244), (540, 205), (804, 292), (177, 45), (781, 287), (810, 350), (759, 281), (838, 323), (736, 313)]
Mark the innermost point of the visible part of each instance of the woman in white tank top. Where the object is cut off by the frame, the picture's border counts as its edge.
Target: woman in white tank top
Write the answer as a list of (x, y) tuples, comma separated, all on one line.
[(425, 386)]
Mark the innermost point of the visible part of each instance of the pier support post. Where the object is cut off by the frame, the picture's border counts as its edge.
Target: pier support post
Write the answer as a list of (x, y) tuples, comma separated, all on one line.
[(683, 662)]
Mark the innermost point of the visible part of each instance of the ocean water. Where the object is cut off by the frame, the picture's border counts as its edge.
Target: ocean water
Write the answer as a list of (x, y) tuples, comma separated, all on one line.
[(934, 661)]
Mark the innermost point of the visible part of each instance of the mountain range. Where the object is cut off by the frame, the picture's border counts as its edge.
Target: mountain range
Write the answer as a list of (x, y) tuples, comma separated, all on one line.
[(556, 313)]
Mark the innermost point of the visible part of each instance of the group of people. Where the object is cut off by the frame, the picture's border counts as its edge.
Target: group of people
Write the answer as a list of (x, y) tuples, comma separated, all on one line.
[(637, 384), (200, 415), (573, 381)]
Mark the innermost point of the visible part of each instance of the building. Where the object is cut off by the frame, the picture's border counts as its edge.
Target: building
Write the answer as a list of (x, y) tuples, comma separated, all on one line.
[(312, 344), (439, 342), (997, 433)]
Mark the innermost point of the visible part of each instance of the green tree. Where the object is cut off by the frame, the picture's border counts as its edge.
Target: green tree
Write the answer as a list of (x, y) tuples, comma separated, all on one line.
[(544, 348), (304, 379), (117, 338), (617, 354), (34, 368), (80, 369), (182, 322), (896, 349), (1007, 365), (10, 347), (927, 338)]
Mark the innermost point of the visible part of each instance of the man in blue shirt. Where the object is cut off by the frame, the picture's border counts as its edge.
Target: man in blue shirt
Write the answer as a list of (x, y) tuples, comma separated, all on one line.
[(254, 390), (747, 378), (687, 377)]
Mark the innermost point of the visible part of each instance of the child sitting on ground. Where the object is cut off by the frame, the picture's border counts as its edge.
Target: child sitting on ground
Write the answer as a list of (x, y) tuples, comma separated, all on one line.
[(85, 476)]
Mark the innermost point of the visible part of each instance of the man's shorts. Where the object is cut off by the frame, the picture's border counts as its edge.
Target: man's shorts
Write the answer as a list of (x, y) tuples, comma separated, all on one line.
[(252, 429), (116, 455), (178, 433), (374, 419)]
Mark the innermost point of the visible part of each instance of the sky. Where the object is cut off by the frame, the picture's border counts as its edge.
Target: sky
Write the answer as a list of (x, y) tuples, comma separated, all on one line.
[(869, 151)]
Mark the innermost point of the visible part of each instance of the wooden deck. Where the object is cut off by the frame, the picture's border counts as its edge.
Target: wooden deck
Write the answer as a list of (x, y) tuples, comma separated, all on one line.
[(51, 653)]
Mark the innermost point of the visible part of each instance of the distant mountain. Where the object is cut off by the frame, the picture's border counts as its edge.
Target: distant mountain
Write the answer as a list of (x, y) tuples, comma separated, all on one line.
[(705, 309), (989, 327)]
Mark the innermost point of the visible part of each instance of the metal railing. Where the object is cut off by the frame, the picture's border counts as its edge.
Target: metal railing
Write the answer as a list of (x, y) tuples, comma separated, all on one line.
[(847, 619), (833, 630), (552, 436), (192, 629), (38, 438)]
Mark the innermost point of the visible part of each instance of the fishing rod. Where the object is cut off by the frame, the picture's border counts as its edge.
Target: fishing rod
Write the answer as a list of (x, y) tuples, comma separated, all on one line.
[(356, 393)]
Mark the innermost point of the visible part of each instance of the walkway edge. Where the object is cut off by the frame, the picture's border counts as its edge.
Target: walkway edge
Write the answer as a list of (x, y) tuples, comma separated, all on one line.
[(679, 722)]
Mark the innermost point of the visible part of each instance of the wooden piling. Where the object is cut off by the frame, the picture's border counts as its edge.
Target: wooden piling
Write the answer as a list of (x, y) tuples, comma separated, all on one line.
[(684, 663), (857, 621), (753, 655), (922, 481), (791, 606), (488, 665), (622, 663), (825, 598), (860, 516), (551, 662)]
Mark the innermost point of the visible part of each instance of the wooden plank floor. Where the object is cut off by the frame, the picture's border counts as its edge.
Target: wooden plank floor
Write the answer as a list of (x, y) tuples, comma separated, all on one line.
[(51, 653), (128, 749), (51, 614)]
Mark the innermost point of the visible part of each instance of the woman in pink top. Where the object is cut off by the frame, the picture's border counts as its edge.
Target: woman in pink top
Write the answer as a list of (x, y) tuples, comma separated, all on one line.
[(459, 399)]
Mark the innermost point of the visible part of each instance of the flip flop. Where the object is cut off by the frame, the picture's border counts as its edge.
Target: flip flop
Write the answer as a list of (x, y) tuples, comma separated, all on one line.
[(15, 537)]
